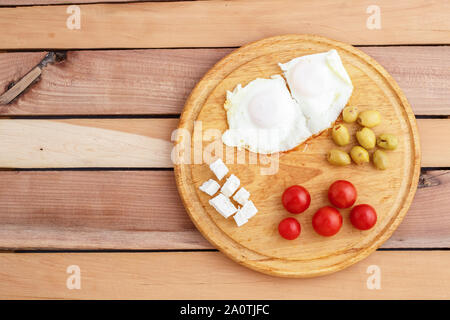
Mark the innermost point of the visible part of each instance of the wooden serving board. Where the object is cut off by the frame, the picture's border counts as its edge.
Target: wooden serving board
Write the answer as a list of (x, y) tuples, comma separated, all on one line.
[(257, 244)]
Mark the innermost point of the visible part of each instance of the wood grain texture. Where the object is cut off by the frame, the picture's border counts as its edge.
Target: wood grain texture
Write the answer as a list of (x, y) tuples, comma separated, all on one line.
[(94, 210), (209, 275), (425, 223), (65, 2), (421, 72), (433, 98), (82, 143), (109, 82), (14, 66), (158, 81), (86, 143), (433, 141), (142, 210), (223, 23), (150, 81), (20, 86)]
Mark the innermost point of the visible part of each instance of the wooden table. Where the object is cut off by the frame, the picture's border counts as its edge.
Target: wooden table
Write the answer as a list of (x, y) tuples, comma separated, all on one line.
[(88, 180)]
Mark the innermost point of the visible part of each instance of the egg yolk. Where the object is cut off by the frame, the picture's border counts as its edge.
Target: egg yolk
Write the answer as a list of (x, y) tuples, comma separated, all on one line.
[(264, 110), (309, 79)]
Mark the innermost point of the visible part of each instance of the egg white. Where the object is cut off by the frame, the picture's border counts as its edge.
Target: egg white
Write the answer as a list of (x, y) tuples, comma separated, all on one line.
[(320, 85), (264, 118)]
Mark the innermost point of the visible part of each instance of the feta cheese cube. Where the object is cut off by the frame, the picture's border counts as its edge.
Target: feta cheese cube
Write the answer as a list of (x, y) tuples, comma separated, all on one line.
[(240, 219), (248, 210), (241, 196), (210, 187), (230, 186), (219, 168), (223, 205)]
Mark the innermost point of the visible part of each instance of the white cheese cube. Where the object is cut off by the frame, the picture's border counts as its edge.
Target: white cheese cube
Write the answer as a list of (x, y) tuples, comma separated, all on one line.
[(210, 187), (241, 196), (223, 205), (248, 210), (240, 219), (219, 168), (230, 186)]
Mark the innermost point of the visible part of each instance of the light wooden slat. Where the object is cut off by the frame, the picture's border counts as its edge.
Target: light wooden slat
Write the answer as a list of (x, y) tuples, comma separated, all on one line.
[(47, 2), (86, 143), (142, 210), (158, 81), (136, 143), (222, 23), (210, 275), (435, 142)]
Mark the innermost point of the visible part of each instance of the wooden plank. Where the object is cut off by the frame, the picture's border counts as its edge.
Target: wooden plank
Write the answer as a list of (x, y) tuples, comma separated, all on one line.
[(158, 81), (210, 275), (47, 2), (136, 143), (433, 142), (94, 210), (418, 72), (424, 226), (205, 104), (222, 23), (13, 66), (86, 143), (142, 210)]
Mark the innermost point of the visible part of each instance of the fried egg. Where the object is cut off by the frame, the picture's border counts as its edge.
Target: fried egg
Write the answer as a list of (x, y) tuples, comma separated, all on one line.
[(264, 118), (320, 85)]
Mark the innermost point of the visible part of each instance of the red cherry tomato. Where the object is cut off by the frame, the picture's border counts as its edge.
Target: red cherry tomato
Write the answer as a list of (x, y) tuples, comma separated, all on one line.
[(363, 217), (327, 221), (342, 194), (296, 199), (289, 228)]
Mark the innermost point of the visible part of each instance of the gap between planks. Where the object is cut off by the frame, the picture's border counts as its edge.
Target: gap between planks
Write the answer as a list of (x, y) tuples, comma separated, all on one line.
[(84, 143), (158, 81), (210, 275), (141, 210), (222, 23)]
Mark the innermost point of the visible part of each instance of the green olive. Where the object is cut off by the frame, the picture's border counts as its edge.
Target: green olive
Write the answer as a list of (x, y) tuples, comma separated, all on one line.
[(380, 160), (359, 155), (338, 157), (366, 138), (369, 118), (350, 114), (340, 135), (387, 141)]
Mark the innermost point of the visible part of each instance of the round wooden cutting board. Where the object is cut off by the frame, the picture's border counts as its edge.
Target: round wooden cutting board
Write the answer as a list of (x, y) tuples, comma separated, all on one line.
[(257, 244)]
